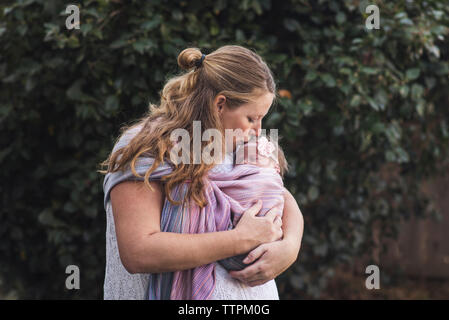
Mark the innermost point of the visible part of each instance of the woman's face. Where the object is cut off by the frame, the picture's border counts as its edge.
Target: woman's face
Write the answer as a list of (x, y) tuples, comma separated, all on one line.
[(248, 117)]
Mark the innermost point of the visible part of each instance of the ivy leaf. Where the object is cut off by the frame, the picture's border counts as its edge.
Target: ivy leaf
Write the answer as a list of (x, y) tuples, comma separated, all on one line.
[(412, 74), (111, 103), (85, 28), (312, 193), (328, 80)]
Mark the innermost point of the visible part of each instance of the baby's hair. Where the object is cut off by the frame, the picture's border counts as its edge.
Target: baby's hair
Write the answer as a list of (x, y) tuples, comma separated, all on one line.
[(283, 164)]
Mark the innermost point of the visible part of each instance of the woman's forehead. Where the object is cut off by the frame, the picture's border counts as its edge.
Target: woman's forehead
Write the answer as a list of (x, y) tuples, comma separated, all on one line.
[(259, 106)]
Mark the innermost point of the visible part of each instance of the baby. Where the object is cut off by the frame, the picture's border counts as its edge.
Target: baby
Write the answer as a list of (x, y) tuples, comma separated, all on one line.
[(260, 166), (260, 152)]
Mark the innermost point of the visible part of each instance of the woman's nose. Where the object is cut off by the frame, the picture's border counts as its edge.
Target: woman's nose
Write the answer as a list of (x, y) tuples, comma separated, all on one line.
[(258, 130)]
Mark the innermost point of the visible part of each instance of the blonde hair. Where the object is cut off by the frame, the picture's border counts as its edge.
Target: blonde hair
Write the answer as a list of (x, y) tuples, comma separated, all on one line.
[(233, 71)]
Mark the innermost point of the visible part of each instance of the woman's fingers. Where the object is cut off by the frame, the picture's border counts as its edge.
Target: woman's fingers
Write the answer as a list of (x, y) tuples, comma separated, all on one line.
[(273, 212), (278, 221), (254, 254), (247, 274), (274, 216), (254, 210), (252, 272)]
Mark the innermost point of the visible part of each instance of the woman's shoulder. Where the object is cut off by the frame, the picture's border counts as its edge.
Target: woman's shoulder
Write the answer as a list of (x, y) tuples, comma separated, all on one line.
[(126, 136), (132, 131)]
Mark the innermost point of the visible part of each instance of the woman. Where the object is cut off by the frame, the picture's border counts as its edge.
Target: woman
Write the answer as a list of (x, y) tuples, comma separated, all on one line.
[(231, 88)]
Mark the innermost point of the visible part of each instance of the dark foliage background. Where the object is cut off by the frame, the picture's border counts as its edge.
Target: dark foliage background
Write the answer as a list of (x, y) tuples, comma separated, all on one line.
[(355, 102)]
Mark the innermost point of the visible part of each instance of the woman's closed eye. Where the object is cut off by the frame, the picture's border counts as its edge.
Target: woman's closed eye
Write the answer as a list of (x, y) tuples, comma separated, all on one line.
[(252, 120)]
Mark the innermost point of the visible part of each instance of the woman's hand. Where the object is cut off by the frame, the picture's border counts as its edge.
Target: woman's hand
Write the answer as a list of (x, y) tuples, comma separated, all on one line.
[(257, 230), (275, 257), (272, 261)]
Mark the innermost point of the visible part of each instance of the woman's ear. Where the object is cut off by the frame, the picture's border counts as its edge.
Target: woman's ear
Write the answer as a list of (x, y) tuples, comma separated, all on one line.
[(220, 102)]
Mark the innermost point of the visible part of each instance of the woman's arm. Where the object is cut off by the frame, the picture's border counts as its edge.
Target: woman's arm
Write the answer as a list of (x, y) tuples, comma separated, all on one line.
[(275, 257), (293, 222), (144, 248)]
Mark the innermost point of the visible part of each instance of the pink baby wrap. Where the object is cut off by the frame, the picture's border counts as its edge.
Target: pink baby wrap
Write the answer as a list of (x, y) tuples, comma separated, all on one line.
[(243, 188), (266, 185)]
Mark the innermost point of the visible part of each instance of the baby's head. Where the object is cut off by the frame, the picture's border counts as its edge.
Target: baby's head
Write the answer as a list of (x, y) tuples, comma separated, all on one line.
[(262, 153)]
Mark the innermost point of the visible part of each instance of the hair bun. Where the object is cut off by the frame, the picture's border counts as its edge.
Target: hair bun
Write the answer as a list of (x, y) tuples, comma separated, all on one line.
[(189, 58)]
